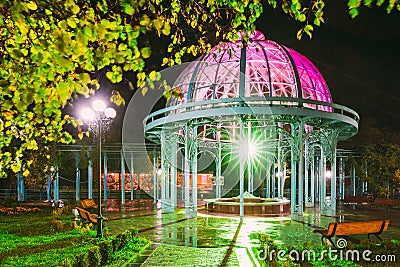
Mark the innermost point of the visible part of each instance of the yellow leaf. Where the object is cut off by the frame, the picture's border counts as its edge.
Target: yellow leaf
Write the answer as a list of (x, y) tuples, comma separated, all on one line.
[(157, 23), (25, 173), (32, 5), (15, 168), (145, 20), (167, 29), (144, 90), (8, 115), (145, 52)]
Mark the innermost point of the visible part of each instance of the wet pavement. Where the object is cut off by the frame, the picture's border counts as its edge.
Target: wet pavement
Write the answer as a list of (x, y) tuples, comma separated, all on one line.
[(209, 240)]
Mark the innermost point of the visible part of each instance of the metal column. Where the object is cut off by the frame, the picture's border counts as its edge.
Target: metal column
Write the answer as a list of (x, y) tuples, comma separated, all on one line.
[(105, 159), (281, 174), (268, 179), (250, 178), (174, 174), (48, 187), (20, 186), (163, 174), (90, 179), (301, 170), (122, 178), (187, 172), (218, 172), (241, 174), (56, 185), (353, 179), (306, 177), (312, 181), (322, 191), (333, 182), (155, 176), (194, 173), (131, 172), (77, 179), (341, 178)]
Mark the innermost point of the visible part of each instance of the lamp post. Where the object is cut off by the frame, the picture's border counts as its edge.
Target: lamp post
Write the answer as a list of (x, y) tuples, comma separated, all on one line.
[(98, 115)]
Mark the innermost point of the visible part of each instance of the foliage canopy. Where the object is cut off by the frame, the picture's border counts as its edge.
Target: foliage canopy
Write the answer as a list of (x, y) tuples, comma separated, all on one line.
[(51, 49)]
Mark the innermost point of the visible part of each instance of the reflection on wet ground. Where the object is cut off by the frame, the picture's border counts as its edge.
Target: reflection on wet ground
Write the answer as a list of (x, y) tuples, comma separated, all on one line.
[(194, 238)]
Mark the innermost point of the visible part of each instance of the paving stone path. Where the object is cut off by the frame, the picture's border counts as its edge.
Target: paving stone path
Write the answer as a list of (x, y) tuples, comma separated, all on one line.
[(170, 255), (219, 241)]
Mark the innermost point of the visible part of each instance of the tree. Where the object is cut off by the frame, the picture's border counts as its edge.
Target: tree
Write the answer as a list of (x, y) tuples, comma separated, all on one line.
[(51, 51), (380, 167)]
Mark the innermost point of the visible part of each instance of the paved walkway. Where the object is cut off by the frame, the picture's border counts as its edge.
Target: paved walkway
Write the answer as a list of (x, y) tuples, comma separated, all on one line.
[(223, 241)]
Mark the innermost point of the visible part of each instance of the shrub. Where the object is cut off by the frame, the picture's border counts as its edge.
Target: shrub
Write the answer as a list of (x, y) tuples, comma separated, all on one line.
[(59, 225), (94, 256), (17, 210), (66, 210), (116, 243), (106, 249), (81, 260)]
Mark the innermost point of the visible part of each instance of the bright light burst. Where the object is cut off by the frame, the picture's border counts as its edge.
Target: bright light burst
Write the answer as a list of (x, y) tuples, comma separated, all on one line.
[(250, 148)]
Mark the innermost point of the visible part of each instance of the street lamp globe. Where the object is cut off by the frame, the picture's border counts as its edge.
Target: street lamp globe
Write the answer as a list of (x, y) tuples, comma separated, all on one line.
[(88, 114), (98, 115), (110, 113), (99, 105)]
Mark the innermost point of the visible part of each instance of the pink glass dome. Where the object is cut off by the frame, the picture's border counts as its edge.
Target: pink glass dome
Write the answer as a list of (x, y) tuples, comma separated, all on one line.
[(271, 70)]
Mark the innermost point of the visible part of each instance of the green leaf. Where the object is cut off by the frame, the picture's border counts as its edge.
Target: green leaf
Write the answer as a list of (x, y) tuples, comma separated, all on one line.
[(117, 98), (4, 83), (308, 29), (65, 63), (145, 52), (128, 9), (71, 22), (84, 77), (380, 2), (353, 4), (63, 25), (115, 75), (368, 3), (145, 21), (353, 13), (75, 9)]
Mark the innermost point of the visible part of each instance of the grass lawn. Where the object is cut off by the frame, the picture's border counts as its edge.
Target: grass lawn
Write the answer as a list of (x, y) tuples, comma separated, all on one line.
[(32, 237)]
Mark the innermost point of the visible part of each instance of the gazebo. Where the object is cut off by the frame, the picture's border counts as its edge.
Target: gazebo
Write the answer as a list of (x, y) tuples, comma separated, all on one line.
[(255, 113)]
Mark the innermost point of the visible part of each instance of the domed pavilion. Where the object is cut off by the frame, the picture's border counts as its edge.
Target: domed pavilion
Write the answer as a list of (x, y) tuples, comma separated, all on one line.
[(257, 115)]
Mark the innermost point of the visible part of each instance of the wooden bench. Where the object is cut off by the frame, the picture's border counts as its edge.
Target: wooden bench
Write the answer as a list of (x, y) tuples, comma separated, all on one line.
[(353, 228), (88, 204), (88, 217), (385, 202)]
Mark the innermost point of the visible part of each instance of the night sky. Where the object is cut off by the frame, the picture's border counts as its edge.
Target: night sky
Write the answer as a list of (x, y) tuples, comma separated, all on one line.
[(359, 58)]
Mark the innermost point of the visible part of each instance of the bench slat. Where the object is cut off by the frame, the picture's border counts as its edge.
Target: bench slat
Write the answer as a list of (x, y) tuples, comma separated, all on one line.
[(354, 228), (88, 203), (87, 216)]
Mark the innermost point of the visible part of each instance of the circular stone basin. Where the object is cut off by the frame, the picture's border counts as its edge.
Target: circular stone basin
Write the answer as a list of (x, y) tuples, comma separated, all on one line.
[(252, 206)]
